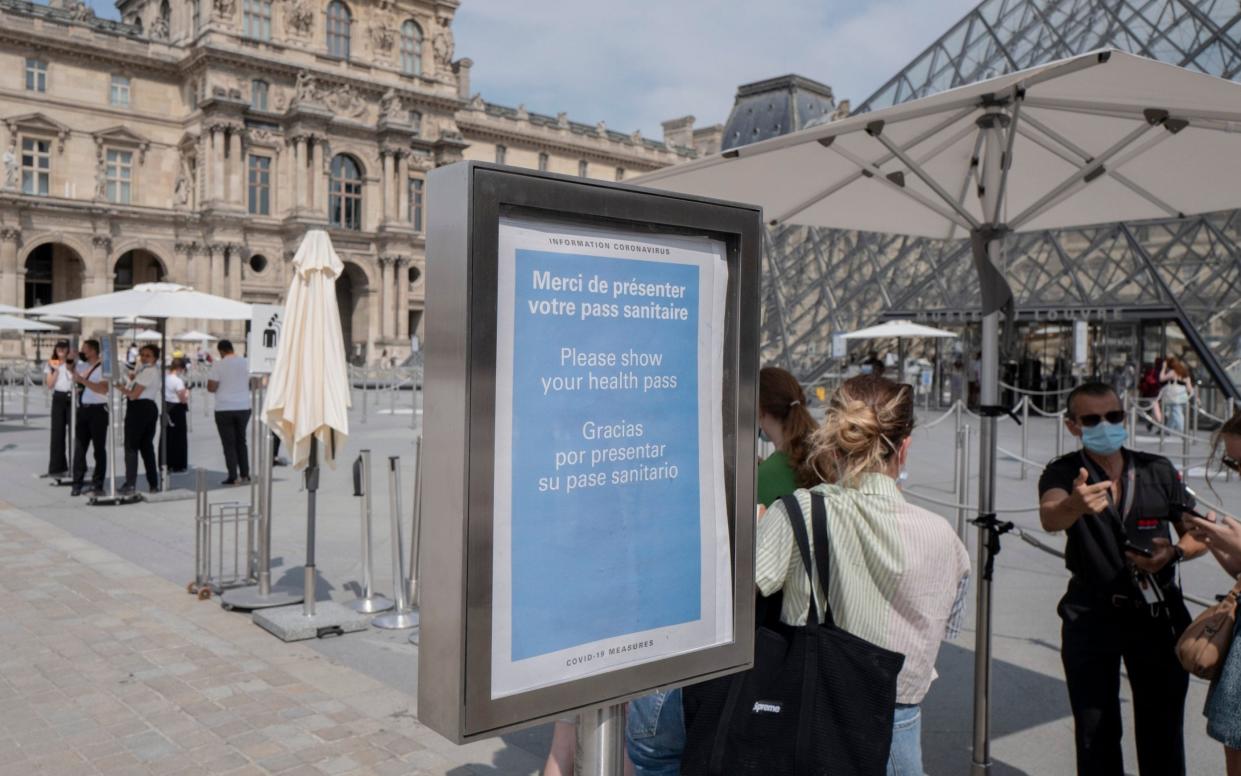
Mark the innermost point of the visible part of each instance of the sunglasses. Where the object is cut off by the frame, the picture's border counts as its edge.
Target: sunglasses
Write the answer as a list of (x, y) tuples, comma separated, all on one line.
[(1231, 463), (1092, 420)]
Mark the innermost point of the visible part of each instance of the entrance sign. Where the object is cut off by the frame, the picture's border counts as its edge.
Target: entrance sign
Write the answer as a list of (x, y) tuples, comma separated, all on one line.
[(591, 362), (264, 338), (609, 448)]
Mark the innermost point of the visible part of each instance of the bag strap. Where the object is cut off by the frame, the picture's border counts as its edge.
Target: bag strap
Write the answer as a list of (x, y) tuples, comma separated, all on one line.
[(797, 521), (822, 558)]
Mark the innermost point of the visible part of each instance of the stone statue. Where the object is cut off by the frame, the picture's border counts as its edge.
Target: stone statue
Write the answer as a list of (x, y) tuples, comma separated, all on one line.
[(101, 182), (159, 30), (181, 192), (299, 18), (307, 87), (443, 43), (391, 107), (81, 12), (10, 170), (225, 8)]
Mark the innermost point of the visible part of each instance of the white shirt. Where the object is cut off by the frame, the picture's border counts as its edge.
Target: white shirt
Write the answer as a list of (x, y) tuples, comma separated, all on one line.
[(94, 374), (233, 377), (148, 378), (173, 385), (64, 383)]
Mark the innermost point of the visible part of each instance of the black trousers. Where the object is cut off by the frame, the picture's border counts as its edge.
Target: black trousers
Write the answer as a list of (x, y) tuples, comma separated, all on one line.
[(178, 444), (1096, 638), (92, 431), (141, 422), (58, 461), (232, 427)]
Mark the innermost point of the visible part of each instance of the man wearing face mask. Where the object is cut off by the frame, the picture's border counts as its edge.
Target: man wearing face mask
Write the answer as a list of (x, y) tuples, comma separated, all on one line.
[(1118, 508)]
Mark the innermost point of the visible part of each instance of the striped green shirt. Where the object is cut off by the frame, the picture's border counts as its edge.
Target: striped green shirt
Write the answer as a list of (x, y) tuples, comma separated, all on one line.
[(898, 575)]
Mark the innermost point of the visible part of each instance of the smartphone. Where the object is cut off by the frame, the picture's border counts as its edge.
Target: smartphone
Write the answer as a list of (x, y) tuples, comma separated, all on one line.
[(1143, 551)]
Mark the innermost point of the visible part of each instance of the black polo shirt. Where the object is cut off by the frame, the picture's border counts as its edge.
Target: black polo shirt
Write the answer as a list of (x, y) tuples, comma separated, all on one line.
[(1151, 495)]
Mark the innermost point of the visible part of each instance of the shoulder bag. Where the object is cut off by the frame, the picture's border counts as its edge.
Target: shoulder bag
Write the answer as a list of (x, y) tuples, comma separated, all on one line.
[(1204, 645), (818, 702)]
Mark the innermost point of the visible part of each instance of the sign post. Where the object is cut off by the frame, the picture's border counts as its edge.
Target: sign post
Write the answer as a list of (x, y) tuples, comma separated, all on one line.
[(592, 363)]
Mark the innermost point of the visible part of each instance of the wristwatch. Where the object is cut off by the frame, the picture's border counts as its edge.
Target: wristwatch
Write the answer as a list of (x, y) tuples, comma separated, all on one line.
[(1179, 553)]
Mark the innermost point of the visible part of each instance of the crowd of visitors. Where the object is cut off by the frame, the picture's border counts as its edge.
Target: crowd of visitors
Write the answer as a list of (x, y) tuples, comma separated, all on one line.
[(898, 576), (80, 378)]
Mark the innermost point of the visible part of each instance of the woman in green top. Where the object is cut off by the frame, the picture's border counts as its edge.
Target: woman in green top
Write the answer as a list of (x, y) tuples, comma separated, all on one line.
[(784, 419)]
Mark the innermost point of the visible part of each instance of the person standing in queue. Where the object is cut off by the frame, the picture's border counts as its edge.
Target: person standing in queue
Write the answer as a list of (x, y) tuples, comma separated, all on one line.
[(229, 380), (92, 430), (142, 419), (59, 380), (176, 403), (1124, 601)]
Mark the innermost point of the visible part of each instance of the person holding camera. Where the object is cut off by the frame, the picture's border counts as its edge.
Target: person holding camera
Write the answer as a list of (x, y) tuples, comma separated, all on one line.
[(92, 425), (59, 380), (1118, 508)]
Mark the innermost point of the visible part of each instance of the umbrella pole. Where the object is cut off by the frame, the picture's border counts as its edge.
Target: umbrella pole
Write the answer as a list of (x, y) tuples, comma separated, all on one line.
[(989, 529), (312, 487), (163, 407)]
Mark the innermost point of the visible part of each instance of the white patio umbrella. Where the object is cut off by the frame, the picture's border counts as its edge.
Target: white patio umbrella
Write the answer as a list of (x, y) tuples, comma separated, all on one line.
[(1098, 138), (194, 336), (13, 323), (151, 303), (308, 393), (8, 309), (145, 335), (898, 330), (125, 321)]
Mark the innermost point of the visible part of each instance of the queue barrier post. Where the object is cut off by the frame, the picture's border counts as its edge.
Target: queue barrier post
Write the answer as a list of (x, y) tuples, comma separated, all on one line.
[(963, 480), (369, 603), (1231, 410), (415, 528), (26, 395), (601, 742), (1025, 434), (400, 618), (365, 381)]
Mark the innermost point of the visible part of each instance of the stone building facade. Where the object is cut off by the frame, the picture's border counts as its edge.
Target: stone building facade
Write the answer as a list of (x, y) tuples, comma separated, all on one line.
[(197, 140)]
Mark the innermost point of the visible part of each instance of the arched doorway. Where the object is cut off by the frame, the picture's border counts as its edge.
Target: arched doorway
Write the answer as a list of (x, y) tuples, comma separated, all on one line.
[(53, 274), (136, 266), (351, 297)]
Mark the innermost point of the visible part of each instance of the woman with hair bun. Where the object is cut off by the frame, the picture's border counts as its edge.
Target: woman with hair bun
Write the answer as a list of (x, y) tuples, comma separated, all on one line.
[(784, 419), (898, 574)]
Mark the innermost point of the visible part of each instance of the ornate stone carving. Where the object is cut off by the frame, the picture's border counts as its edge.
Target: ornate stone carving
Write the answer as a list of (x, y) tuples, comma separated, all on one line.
[(383, 34), (188, 248), (344, 100), (299, 18), (392, 107), (257, 136), (562, 120), (442, 44), (307, 88), (224, 8), (636, 137), (477, 102), (10, 233), (522, 113), (601, 129), (81, 12), (11, 166), (102, 242)]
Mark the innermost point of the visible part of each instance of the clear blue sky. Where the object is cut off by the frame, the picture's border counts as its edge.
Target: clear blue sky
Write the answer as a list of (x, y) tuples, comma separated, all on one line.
[(634, 63)]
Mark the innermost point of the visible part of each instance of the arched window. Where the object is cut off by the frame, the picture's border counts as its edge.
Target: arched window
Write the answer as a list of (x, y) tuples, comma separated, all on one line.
[(345, 193), (411, 48), (338, 21)]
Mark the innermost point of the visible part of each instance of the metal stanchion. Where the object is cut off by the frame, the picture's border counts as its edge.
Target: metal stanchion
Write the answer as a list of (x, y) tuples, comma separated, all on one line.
[(365, 380), (392, 388), (1231, 409), (26, 395), (956, 461), (401, 617), (600, 742), (370, 602), (1162, 433), (1186, 441), (1060, 434), (1025, 434), (963, 479), (415, 527)]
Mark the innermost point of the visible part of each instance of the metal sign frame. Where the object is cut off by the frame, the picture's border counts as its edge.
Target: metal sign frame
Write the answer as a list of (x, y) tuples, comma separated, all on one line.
[(454, 668)]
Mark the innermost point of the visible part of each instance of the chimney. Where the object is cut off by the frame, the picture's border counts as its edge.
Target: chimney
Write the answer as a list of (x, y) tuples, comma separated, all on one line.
[(679, 132)]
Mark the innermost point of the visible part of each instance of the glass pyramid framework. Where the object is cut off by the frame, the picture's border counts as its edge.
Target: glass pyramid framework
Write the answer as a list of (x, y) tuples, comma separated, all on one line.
[(823, 281)]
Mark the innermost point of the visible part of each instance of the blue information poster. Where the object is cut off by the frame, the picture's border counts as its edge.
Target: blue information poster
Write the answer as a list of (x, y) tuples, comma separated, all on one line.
[(610, 531)]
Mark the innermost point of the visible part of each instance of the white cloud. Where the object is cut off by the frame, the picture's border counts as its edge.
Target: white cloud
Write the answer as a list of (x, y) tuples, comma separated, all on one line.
[(637, 62)]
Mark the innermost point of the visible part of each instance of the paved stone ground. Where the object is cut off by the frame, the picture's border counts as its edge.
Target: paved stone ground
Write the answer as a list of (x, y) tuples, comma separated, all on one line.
[(106, 668), (89, 595)]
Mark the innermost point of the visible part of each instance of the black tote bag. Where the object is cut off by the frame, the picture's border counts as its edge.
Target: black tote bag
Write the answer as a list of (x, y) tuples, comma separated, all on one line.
[(818, 702)]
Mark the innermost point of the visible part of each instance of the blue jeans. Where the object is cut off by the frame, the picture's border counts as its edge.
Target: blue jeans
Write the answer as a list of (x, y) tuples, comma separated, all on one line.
[(905, 759), (655, 733), (1175, 416)]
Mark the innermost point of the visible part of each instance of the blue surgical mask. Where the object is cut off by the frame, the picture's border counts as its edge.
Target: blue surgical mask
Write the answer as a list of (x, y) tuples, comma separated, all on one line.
[(1104, 438)]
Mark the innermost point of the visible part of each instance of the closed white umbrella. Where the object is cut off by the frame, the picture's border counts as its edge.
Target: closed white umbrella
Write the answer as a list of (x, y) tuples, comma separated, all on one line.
[(1098, 138), (145, 335), (308, 393)]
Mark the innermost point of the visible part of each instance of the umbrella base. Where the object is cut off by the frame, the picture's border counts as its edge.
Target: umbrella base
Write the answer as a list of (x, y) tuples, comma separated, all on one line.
[(290, 623), (376, 603), (249, 597), (113, 501)]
